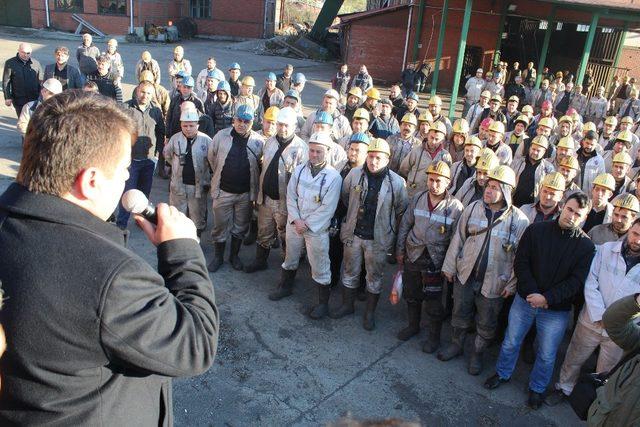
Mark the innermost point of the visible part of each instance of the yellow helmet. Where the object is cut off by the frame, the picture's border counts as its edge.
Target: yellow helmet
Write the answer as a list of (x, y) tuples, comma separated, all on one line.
[(373, 93), (567, 119), (496, 98), (497, 127), (522, 118), (461, 126), (410, 118), (555, 181), (361, 113), (570, 162), (356, 91), (248, 81), (625, 135), (627, 201), (178, 49), (271, 114), (487, 161), (627, 119), (425, 116), (435, 100), (567, 142), (474, 140), (589, 126), (439, 168), (503, 174), (439, 127), (540, 141), (514, 98), (379, 145), (623, 158), (147, 76), (146, 56), (485, 94), (605, 180), (611, 120), (527, 109), (546, 122)]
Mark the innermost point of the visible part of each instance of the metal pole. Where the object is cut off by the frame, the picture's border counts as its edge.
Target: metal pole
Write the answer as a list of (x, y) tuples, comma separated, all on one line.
[(46, 9), (436, 67), (416, 39), (406, 40), (616, 60), (545, 45), (131, 13), (461, 48), (587, 47)]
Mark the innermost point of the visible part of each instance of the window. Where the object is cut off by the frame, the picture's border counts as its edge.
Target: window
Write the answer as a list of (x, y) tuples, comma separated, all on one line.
[(200, 8), (114, 7), (69, 5), (543, 25), (583, 28), (607, 30)]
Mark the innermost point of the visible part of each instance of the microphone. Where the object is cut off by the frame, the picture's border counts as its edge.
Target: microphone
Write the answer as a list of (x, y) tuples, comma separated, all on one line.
[(136, 202)]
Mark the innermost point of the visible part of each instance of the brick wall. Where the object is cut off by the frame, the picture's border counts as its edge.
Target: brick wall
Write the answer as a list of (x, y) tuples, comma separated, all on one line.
[(630, 58)]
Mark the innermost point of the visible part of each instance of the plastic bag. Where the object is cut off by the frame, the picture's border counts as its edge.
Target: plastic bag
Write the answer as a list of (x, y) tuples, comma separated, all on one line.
[(396, 288)]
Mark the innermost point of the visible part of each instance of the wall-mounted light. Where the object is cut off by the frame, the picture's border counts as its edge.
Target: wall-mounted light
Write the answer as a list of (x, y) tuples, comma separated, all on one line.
[(512, 7)]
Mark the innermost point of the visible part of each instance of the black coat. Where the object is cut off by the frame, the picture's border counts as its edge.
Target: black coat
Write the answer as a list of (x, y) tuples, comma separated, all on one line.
[(75, 80), (94, 332), (150, 127), (21, 80), (107, 85)]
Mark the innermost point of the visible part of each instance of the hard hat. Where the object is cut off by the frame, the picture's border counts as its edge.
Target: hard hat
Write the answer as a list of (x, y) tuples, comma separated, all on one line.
[(373, 93), (555, 181), (360, 138), (438, 126), (546, 105), (112, 41), (435, 100), (474, 140), (182, 74), (425, 116), (53, 85), (559, 74), (540, 141), (361, 113), (271, 114), (288, 116), (605, 180), (623, 158), (624, 135), (497, 127), (589, 126), (439, 168), (298, 78), (224, 85), (570, 162), (244, 112), (188, 81), (611, 120), (146, 76), (234, 66), (410, 118), (178, 49), (514, 98), (503, 174), (567, 119), (189, 115), (567, 142), (187, 105), (248, 81), (627, 201), (332, 93), (356, 91), (271, 77), (211, 74), (496, 98), (379, 145), (292, 93), (414, 96), (321, 138), (627, 119), (487, 161), (485, 94), (146, 56), (527, 109), (486, 122), (522, 119), (546, 122), (461, 126), (489, 74), (323, 117)]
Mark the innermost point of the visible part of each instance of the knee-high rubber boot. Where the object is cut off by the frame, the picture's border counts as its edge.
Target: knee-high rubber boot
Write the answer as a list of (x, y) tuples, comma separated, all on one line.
[(285, 286), (218, 257), (369, 321), (322, 308), (455, 347), (362, 288), (348, 297), (234, 259), (475, 360), (414, 309), (260, 263), (250, 238), (433, 337)]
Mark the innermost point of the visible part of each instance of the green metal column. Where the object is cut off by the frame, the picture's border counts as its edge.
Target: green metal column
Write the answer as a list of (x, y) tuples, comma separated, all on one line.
[(503, 18), (418, 34), (327, 14), (461, 48), (545, 45), (587, 47), (616, 60), (436, 67)]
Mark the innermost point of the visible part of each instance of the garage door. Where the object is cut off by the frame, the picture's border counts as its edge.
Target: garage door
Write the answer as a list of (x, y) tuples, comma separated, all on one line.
[(15, 13)]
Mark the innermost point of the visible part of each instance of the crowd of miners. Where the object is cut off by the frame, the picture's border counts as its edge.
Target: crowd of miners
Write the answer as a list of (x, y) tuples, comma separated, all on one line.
[(511, 218)]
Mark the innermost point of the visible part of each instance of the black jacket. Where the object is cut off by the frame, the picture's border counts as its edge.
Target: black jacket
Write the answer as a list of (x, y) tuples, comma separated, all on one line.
[(150, 127), (94, 331), (553, 262), (283, 83), (173, 116), (21, 80), (107, 85), (75, 80)]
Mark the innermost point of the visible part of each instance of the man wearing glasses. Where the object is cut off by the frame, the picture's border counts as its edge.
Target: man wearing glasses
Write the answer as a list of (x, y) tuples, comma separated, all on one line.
[(21, 79)]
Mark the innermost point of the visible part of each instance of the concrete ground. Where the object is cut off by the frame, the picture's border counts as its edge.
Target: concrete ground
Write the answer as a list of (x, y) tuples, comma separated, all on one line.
[(275, 366)]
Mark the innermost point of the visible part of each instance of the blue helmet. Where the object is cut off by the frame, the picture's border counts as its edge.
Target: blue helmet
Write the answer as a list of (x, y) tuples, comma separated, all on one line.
[(323, 117), (271, 76), (234, 66), (211, 74), (298, 78), (218, 75), (359, 137), (414, 96), (224, 85), (188, 81), (292, 93), (182, 74), (244, 112)]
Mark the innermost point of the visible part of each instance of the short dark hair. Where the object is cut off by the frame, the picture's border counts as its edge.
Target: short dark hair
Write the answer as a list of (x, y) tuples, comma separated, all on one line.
[(62, 49), (581, 199), (591, 135), (70, 132), (103, 58), (636, 221)]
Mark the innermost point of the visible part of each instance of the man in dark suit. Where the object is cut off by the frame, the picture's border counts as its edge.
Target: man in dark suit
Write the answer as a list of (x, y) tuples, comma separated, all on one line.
[(95, 332), (61, 70)]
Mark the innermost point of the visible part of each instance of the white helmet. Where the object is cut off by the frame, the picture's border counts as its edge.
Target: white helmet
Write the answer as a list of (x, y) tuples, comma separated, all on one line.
[(288, 116), (321, 138), (189, 115)]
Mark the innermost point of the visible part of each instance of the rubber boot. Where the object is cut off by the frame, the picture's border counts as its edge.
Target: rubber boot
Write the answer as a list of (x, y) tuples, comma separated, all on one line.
[(348, 297), (369, 321), (218, 257), (475, 360), (285, 286), (362, 288), (455, 347), (235, 261), (260, 263), (433, 337), (414, 309), (322, 308), (250, 238)]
